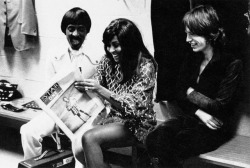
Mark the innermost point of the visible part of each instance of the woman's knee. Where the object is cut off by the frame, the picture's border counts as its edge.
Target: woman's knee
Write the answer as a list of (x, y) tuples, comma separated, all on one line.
[(88, 138)]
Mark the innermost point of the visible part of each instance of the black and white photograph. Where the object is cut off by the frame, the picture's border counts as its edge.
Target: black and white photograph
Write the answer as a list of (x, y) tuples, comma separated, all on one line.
[(125, 83)]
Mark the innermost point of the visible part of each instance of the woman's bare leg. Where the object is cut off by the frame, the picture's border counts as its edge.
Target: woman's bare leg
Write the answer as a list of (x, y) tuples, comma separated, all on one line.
[(77, 145), (106, 136)]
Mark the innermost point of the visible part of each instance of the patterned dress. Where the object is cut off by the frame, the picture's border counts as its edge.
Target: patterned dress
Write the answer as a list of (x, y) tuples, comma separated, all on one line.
[(135, 96)]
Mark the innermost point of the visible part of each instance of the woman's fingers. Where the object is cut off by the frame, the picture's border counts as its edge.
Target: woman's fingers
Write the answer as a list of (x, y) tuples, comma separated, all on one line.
[(86, 84), (88, 80), (83, 86), (89, 88), (83, 83)]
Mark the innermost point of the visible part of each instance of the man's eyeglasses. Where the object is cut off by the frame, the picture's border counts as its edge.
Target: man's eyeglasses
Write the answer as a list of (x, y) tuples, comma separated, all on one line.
[(79, 28)]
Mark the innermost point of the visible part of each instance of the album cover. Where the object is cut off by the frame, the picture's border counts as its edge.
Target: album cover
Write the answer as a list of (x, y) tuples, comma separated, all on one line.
[(67, 106)]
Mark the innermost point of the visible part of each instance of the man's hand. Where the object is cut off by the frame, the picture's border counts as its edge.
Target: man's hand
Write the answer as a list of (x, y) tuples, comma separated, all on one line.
[(209, 120)]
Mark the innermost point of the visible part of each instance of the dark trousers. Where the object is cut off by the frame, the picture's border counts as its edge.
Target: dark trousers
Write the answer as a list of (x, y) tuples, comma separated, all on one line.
[(178, 139)]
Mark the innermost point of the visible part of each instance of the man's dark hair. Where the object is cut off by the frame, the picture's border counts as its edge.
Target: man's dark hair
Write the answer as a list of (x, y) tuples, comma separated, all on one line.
[(76, 16)]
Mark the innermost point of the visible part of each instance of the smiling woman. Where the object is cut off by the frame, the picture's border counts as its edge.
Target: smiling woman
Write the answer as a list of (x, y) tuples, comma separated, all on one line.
[(125, 79), (115, 49)]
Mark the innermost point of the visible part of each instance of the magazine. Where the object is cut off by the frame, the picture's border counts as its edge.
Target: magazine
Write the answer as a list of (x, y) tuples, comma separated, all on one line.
[(67, 106)]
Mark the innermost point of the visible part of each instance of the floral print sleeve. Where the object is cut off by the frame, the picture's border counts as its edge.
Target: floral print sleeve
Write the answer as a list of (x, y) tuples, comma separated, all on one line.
[(135, 96), (138, 97), (101, 70), (137, 101)]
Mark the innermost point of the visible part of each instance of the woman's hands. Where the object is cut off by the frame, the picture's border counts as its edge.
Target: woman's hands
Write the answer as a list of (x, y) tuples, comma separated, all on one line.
[(93, 85), (87, 84), (209, 120)]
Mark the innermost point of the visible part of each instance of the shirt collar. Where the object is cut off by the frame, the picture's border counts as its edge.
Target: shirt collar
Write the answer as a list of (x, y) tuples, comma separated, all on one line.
[(71, 53), (74, 53)]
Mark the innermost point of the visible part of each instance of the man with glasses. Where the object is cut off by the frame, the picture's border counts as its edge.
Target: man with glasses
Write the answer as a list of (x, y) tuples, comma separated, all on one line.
[(75, 24)]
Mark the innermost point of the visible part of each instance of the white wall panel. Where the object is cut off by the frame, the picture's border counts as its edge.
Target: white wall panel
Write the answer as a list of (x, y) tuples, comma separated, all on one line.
[(28, 68)]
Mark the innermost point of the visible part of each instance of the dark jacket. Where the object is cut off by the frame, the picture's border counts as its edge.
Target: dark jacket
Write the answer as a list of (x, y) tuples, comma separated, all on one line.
[(215, 91)]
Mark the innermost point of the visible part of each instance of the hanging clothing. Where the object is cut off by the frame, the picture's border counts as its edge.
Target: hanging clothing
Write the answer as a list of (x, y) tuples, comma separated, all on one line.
[(19, 17)]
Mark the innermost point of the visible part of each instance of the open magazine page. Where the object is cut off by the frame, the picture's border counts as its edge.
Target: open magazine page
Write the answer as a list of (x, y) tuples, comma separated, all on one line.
[(68, 107)]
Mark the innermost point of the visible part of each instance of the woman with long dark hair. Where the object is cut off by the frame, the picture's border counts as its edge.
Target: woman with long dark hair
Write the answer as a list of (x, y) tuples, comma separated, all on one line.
[(125, 79)]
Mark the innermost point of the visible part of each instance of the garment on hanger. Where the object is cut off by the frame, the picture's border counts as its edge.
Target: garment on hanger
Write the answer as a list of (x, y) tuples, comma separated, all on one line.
[(19, 18)]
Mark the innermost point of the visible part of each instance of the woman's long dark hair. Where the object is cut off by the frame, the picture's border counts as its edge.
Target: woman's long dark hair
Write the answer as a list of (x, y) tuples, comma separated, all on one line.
[(203, 21), (131, 43)]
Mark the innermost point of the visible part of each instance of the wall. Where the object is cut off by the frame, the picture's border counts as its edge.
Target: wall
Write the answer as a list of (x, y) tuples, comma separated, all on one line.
[(28, 68)]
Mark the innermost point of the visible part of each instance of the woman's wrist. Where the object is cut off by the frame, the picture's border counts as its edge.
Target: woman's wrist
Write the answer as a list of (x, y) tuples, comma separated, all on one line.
[(99, 91), (103, 92)]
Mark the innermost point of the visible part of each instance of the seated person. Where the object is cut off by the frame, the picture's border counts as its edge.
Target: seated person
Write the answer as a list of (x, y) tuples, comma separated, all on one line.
[(125, 79), (207, 84), (75, 25)]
